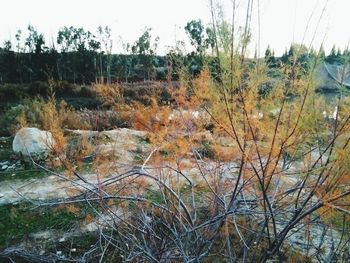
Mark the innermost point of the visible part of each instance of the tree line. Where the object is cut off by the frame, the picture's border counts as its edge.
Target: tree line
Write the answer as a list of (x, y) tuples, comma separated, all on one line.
[(77, 56), (80, 56)]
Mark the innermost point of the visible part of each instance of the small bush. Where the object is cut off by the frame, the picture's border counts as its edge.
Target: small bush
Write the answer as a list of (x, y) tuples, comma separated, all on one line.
[(11, 92), (34, 113), (85, 92), (109, 96), (8, 120), (64, 88), (38, 88)]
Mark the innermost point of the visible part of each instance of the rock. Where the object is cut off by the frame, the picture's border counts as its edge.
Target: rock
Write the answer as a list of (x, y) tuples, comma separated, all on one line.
[(4, 167), (11, 167), (32, 142), (4, 163), (42, 235)]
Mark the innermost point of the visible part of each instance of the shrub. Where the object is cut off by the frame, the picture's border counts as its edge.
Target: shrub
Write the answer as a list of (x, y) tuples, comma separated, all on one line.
[(36, 113), (8, 120), (39, 88), (12, 92), (64, 88), (100, 120), (109, 95)]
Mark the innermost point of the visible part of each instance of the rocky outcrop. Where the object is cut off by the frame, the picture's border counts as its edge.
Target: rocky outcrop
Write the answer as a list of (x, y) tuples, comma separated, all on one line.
[(33, 143)]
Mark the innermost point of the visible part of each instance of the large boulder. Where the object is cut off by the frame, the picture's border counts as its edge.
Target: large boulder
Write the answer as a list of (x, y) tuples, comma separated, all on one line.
[(33, 143)]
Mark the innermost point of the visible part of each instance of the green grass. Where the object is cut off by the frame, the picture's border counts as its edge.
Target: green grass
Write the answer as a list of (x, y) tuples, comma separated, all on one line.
[(5, 148), (21, 175), (18, 221), (337, 220), (143, 140), (5, 155), (154, 196)]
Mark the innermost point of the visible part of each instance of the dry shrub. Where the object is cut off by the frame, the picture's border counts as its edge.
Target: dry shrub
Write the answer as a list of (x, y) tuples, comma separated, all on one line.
[(109, 95), (100, 120), (47, 115)]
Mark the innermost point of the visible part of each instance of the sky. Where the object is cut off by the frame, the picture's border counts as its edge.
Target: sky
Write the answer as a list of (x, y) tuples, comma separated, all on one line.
[(281, 21)]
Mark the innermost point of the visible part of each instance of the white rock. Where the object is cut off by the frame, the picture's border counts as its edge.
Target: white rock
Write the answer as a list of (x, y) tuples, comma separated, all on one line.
[(4, 167), (335, 113), (324, 113), (32, 142), (11, 167)]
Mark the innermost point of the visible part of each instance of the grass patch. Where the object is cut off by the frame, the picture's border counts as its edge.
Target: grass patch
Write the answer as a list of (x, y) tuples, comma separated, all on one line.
[(21, 175), (143, 140), (154, 196), (340, 220), (18, 221), (5, 148)]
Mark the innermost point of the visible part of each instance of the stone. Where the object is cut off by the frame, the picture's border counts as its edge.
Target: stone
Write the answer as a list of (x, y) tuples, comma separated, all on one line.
[(11, 167), (32, 142)]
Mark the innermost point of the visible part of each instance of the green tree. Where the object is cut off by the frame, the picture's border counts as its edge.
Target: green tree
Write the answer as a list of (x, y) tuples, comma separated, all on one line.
[(145, 48), (332, 57), (65, 41), (105, 38), (195, 31), (35, 43), (270, 57), (7, 63), (321, 53)]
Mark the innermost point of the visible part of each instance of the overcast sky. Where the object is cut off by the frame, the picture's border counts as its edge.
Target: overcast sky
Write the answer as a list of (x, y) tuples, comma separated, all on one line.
[(281, 21)]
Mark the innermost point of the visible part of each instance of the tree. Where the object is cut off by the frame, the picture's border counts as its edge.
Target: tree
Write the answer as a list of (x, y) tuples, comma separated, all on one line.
[(7, 63), (65, 41), (19, 50), (7, 45), (210, 41), (195, 31), (332, 57), (105, 38), (94, 46), (78, 54), (321, 53), (35, 43), (270, 57), (146, 50), (65, 38)]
